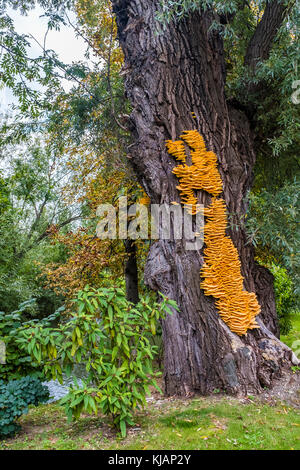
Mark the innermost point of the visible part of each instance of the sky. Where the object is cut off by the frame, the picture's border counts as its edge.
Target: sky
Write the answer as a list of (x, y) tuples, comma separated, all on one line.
[(64, 42)]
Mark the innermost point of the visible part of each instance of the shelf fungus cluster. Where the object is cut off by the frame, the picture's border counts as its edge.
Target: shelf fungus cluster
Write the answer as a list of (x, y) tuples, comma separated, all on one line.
[(222, 268), (222, 273), (202, 174)]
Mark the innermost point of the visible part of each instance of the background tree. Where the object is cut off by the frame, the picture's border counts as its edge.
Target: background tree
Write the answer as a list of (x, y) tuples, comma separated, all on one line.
[(79, 126), (31, 204), (86, 125)]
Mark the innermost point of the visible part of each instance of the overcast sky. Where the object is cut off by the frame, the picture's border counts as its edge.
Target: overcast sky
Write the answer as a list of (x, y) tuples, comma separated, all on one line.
[(63, 42)]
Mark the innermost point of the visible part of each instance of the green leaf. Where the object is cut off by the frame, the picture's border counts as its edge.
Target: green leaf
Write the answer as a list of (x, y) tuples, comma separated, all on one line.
[(123, 428)]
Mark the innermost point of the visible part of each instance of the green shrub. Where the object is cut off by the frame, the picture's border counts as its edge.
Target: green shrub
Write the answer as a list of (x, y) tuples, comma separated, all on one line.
[(273, 227), (112, 337), (285, 297), (15, 397), (18, 363)]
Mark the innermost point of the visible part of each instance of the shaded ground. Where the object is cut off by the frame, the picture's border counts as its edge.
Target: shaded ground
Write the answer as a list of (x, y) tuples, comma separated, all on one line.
[(286, 390)]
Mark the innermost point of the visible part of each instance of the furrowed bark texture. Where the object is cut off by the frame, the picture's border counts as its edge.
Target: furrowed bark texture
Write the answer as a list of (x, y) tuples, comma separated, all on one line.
[(131, 272), (169, 75)]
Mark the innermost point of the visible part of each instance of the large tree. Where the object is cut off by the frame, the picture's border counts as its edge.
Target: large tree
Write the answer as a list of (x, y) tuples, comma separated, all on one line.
[(172, 71)]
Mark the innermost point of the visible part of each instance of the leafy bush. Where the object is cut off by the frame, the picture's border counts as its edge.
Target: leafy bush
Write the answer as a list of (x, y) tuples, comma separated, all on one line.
[(15, 397), (285, 297), (18, 363), (112, 337), (273, 227)]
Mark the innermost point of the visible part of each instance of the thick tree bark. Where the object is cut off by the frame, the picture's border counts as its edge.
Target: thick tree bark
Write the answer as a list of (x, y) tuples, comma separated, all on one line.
[(169, 75), (131, 272)]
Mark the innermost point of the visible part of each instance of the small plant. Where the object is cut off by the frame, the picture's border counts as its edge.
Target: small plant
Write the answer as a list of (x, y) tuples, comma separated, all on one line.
[(250, 397), (15, 397), (112, 337)]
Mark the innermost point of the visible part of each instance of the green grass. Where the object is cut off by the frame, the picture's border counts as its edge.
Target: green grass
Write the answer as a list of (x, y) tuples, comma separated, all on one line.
[(221, 424), (203, 423)]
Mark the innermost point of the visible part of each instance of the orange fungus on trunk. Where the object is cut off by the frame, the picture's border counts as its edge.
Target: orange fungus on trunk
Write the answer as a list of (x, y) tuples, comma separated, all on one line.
[(222, 267)]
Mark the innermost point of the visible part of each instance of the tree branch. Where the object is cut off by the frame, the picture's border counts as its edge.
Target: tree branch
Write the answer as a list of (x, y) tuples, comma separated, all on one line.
[(261, 42), (44, 235), (38, 217)]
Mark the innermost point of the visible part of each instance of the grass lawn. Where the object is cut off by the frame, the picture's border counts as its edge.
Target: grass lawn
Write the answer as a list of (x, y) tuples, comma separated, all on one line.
[(216, 422), (202, 423)]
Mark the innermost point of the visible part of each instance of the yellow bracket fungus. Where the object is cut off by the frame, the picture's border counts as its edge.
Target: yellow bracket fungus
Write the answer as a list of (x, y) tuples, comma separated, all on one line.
[(202, 174), (145, 200), (222, 267)]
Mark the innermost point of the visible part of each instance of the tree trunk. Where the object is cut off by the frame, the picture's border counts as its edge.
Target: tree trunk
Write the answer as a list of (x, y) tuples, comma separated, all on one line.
[(169, 75), (131, 272)]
